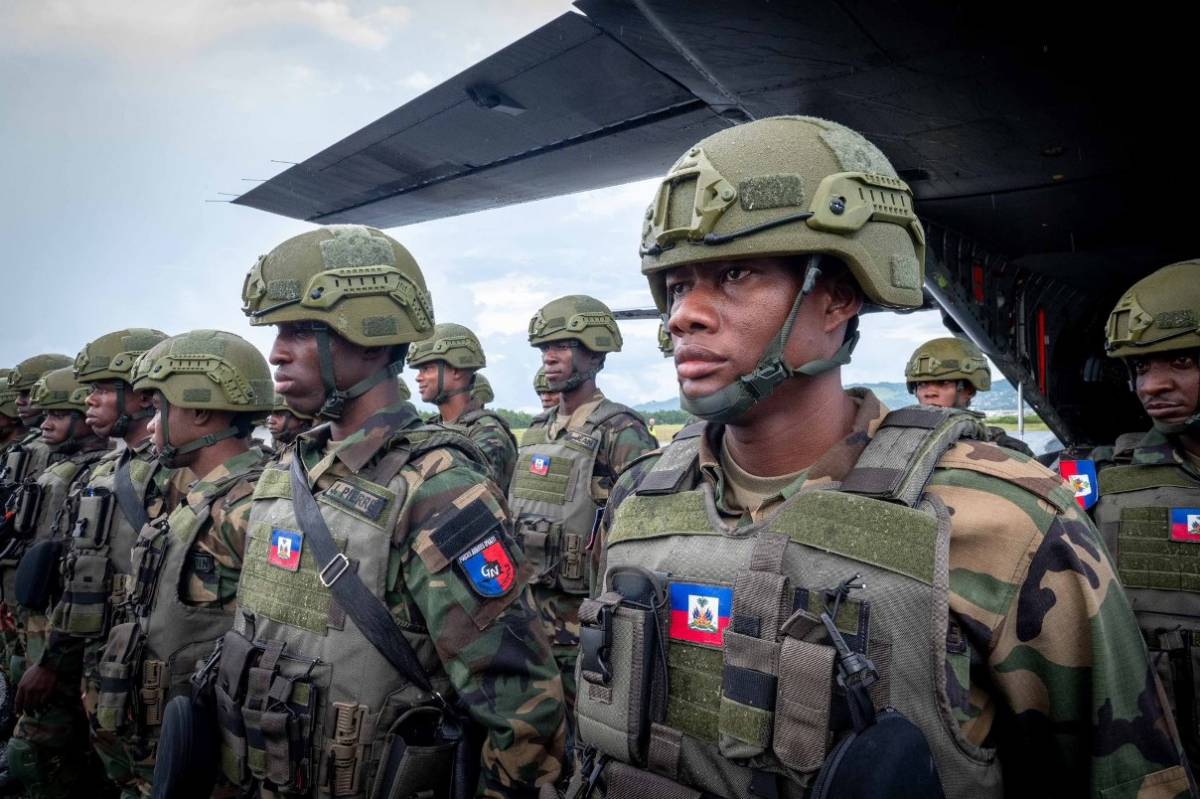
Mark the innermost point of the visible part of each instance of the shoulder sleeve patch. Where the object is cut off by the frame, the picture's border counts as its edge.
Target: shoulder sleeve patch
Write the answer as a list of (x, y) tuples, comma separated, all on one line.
[(455, 529), (989, 459)]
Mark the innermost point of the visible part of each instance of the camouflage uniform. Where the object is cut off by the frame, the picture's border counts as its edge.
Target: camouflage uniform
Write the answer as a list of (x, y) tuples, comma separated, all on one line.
[(494, 438), (623, 437), (1041, 638)]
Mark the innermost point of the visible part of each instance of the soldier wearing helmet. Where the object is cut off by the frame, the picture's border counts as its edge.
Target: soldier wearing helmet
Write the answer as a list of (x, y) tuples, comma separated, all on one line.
[(285, 424), (207, 387), (1149, 510), (11, 428), (448, 364), (947, 373), (548, 397), (406, 536), (569, 458), (805, 591), (47, 752), (29, 455), (482, 391), (126, 488)]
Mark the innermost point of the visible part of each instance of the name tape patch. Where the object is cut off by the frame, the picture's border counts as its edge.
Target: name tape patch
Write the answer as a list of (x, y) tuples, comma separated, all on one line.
[(488, 567), (284, 550), (356, 499)]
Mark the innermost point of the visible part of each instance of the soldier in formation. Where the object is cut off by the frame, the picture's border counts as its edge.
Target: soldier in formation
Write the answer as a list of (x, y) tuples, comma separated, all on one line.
[(1148, 510), (447, 365), (807, 593), (547, 396), (284, 423), (948, 373), (569, 459)]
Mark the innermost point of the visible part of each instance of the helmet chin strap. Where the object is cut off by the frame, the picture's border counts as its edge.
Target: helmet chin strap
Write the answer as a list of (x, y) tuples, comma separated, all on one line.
[(335, 398), (442, 394), (732, 401), (168, 456), (577, 377), (121, 426)]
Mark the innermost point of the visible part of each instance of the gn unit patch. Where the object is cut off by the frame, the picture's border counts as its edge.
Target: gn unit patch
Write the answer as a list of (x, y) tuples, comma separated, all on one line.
[(539, 465), (284, 549), (488, 567), (700, 613), (356, 499), (1185, 525)]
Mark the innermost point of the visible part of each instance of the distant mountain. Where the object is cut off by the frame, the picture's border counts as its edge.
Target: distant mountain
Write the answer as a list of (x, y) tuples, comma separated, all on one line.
[(1002, 397)]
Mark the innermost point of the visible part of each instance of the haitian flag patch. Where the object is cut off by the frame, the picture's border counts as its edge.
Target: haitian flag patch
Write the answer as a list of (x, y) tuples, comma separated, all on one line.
[(1081, 476), (1185, 525), (700, 613), (284, 550), (539, 465), (488, 567)]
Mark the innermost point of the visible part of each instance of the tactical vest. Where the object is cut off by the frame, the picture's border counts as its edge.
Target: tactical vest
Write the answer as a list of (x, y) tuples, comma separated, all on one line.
[(305, 702), (40, 511), (1149, 517), (551, 498), (97, 573), (471, 418), (150, 660), (704, 665), (28, 457)]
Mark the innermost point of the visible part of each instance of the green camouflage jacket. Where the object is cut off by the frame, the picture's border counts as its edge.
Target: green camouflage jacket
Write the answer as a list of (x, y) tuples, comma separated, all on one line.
[(210, 575), (495, 655), (1157, 448), (1045, 661), (494, 437)]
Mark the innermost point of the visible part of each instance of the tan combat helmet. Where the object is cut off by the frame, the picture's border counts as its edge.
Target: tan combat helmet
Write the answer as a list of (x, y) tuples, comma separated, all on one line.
[(351, 280), (29, 371), (58, 390), (279, 405), (1159, 313), (785, 186), (582, 319), (482, 390), (948, 358), (540, 384), (450, 345), (8, 400), (111, 357), (205, 369)]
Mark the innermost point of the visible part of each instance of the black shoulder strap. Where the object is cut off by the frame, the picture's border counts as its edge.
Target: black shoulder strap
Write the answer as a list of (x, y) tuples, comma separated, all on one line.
[(127, 498), (368, 612)]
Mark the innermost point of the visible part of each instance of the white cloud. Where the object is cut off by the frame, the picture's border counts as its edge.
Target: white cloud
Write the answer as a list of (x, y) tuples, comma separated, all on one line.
[(506, 303), (418, 81), (135, 29)]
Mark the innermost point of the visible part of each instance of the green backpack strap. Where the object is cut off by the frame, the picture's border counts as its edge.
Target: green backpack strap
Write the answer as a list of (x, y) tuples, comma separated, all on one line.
[(416, 441), (899, 460)]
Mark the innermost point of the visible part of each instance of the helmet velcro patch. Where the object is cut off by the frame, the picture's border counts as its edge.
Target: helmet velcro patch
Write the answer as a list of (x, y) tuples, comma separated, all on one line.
[(353, 245), (375, 326), (1176, 319), (906, 271), (771, 191), (283, 290)]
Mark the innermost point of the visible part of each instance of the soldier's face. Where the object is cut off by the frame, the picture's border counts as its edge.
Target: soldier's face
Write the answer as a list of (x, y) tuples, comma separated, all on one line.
[(102, 411), (427, 380), (942, 394), (725, 313), (282, 423), (25, 409), (549, 400), (1167, 385), (298, 365), (56, 427)]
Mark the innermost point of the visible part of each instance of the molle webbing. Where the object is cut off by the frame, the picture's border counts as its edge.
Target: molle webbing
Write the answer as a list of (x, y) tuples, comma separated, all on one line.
[(899, 460), (1121, 479)]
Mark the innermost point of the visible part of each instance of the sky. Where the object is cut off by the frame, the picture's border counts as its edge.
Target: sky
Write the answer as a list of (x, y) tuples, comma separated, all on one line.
[(126, 125)]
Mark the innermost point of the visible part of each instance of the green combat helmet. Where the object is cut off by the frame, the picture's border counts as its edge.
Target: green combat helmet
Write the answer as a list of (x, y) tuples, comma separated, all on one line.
[(111, 357), (580, 318), (452, 345), (740, 194), (540, 384), (481, 391), (665, 345), (948, 358), (279, 405), (58, 390), (205, 369), (30, 370), (8, 400), (1159, 313), (352, 280)]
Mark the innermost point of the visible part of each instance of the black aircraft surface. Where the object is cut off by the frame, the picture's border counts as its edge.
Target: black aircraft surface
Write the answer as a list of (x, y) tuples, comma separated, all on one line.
[(1047, 144)]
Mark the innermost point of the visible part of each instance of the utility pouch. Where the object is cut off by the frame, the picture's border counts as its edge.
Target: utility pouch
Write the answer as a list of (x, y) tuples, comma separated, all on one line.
[(153, 692), (38, 575), (87, 586), (278, 714), (15, 463), (539, 541), (804, 697), (419, 753), (92, 516), (116, 706), (26, 499), (621, 670), (146, 559), (229, 692)]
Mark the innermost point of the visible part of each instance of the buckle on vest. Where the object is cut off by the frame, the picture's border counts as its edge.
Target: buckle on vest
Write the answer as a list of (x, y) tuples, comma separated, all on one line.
[(595, 644), (341, 563)]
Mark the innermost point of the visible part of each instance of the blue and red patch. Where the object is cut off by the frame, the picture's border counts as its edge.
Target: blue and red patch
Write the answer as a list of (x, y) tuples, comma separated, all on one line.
[(700, 613), (488, 567), (539, 465), (1081, 477), (284, 549), (1185, 525)]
